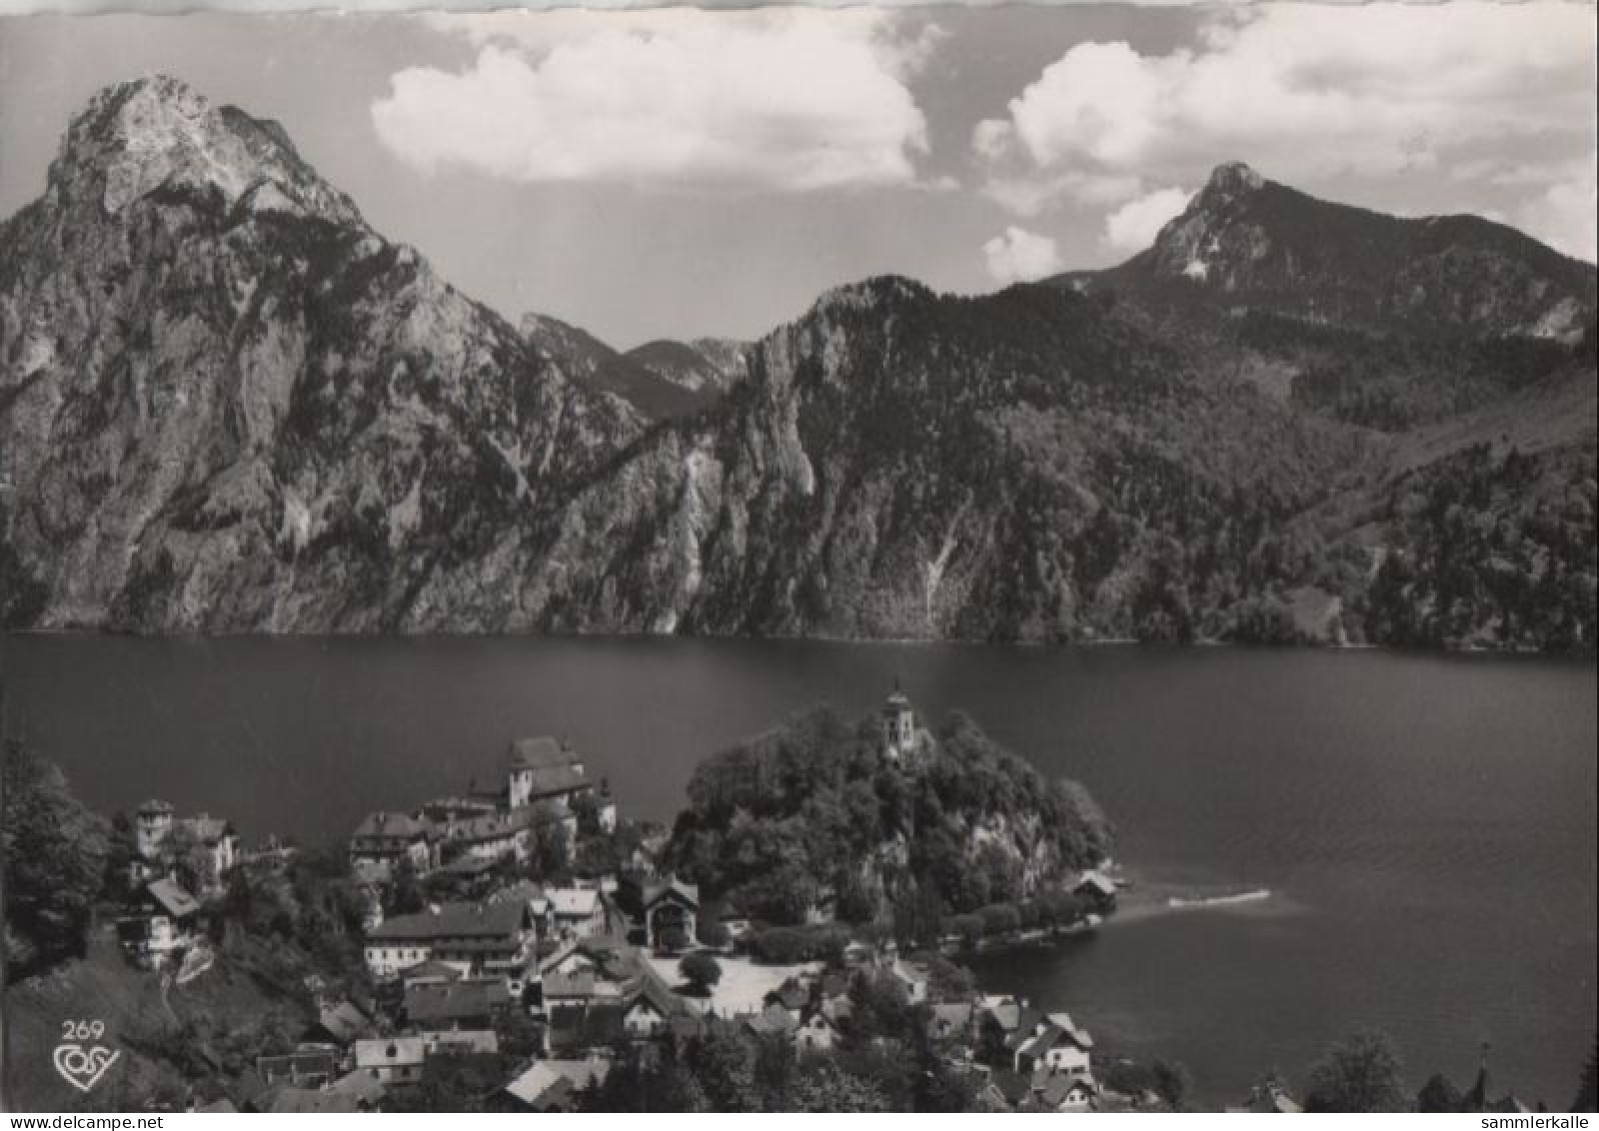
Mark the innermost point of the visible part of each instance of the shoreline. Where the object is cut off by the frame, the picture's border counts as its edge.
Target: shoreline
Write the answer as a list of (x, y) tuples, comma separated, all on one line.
[(1131, 643)]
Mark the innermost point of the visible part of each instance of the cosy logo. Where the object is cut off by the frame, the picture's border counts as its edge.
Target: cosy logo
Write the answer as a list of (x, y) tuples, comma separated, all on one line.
[(81, 1062)]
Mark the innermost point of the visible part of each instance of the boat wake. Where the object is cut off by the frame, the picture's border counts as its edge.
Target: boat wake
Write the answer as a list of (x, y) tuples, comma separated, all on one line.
[(1255, 896)]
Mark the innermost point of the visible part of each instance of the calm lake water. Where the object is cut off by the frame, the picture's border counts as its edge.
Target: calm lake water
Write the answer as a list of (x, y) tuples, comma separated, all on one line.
[(1426, 825)]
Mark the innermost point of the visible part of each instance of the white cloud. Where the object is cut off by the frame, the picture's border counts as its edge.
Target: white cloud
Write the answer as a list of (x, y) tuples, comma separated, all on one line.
[(1018, 255), (787, 100), (1134, 226), (1563, 215), (1306, 92)]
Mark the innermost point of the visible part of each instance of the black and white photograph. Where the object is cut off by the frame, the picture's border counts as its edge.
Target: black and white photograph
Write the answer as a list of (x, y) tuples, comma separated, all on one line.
[(973, 557)]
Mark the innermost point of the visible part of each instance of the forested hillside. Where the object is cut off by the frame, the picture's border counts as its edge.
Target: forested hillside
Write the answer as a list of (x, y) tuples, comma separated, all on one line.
[(813, 813)]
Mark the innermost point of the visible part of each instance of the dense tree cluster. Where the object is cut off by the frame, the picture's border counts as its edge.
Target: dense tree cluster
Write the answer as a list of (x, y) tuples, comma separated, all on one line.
[(812, 815), (1493, 551), (54, 850)]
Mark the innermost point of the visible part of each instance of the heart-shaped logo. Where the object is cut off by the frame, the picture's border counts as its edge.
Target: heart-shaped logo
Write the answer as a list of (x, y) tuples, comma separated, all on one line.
[(82, 1067)]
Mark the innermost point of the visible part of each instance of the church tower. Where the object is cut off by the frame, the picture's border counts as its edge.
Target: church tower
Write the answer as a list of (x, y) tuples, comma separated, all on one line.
[(899, 726)]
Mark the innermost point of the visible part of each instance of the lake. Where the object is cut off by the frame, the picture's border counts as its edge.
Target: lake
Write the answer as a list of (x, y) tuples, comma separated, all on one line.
[(1426, 825)]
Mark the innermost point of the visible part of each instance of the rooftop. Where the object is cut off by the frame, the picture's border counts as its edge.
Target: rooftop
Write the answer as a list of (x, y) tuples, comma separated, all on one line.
[(390, 826), (432, 1003), (383, 1052), (455, 920), (540, 753), (172, 898)]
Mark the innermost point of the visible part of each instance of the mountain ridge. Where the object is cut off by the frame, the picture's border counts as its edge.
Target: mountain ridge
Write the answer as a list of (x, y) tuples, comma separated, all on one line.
[(228, 405)]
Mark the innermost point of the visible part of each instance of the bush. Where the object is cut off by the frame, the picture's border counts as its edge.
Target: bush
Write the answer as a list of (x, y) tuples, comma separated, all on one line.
[(1000, 919), (713, 932), (785, 946)]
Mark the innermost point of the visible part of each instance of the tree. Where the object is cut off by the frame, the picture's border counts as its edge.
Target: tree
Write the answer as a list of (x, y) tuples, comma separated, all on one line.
[(552, 850), (712, 931), (782, 946), (701, 971), (122, 848), (828, 1088), (188, 858), (1588, 1089), (1361, 1074), (1439, 1094), (1171, 1081), (456, 1082), (405, 893), (55, 851)]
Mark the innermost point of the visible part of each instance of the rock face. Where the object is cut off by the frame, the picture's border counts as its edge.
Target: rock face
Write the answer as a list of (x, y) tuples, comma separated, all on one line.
[(1248, 243), (227, 404), (901, 464)]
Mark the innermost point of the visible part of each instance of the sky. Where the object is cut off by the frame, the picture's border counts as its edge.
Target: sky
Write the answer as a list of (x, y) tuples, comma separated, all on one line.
[(683, 172)]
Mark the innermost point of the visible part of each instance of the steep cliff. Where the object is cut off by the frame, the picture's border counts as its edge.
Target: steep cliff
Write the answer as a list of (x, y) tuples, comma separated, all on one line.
[(228, 403), (904, 464)]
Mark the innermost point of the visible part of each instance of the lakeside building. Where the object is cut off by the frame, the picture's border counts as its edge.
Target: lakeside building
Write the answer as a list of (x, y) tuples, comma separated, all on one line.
[(1097, 891), (156, 824), (1051, 1041), (543, 784)]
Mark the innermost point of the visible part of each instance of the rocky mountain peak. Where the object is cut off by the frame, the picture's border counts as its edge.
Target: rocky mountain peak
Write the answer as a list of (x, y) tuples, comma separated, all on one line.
[(137, 137), (1232, 180)]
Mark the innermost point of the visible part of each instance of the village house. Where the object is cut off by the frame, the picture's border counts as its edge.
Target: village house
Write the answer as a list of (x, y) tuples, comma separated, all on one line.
[(533, 896), (773, 1021), (476, 938), (1054, 1042), (1051, 1091), (429, 973), (648, 1008), (391, 1060), (1097, 892), (383, 840), (912, 979), (307, 1068), (156, 824), (358, 1087), (339, 1025), (817, 1031), (662, 911), (1269, 1098), (161, 920), (460, 1042), (467, 1004), (577, 913), (552, 1085)]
